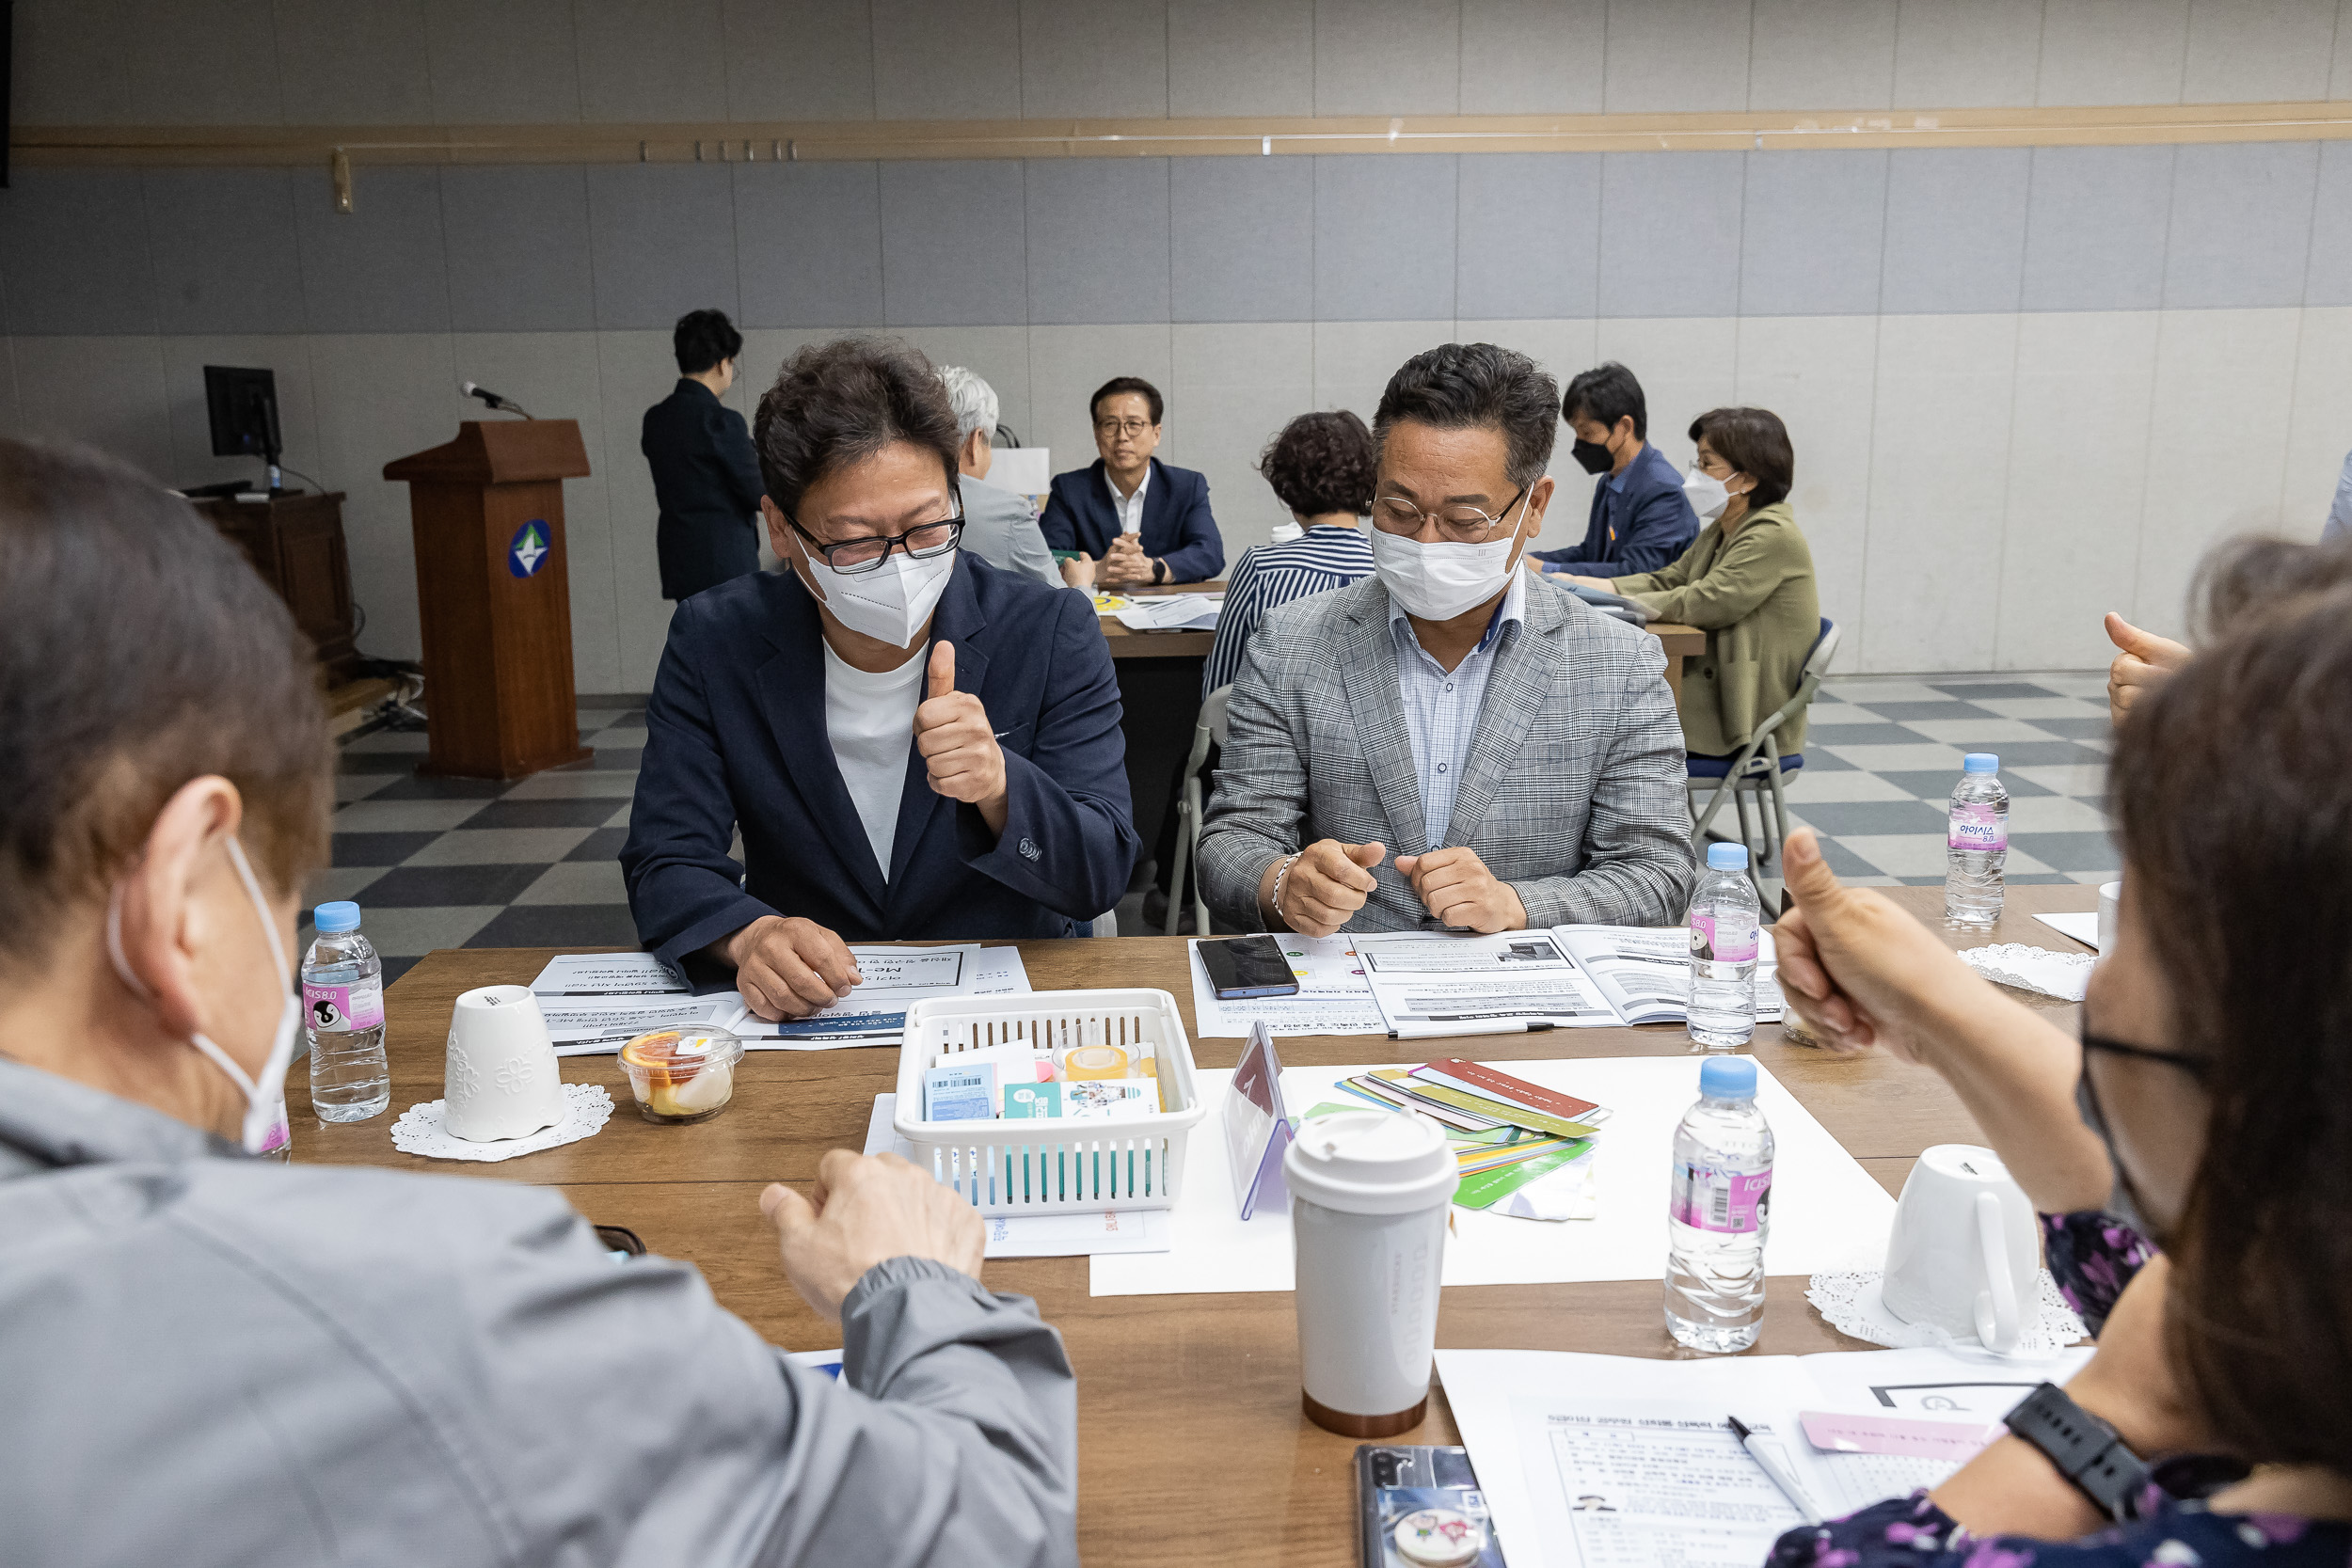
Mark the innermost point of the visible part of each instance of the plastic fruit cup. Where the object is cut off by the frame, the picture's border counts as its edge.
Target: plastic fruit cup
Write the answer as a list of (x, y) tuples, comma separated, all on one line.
[(682, 1075)]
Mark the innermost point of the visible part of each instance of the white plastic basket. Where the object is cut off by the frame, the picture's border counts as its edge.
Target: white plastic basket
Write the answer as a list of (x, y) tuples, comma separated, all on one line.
[(1056, 1165)]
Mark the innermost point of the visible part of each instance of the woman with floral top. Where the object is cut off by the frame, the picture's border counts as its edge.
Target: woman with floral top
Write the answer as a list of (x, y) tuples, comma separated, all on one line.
[(2214, 1123)]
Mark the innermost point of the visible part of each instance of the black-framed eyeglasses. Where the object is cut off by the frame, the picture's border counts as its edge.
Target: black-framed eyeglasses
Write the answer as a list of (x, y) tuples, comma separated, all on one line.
[(921, 542), (1132, 428), (2198, 1067), (1461, 524)]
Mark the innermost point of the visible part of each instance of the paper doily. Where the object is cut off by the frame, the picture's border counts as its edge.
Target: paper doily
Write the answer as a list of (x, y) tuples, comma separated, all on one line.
[(420, 1130), (2035, 969), (1850, 1304)]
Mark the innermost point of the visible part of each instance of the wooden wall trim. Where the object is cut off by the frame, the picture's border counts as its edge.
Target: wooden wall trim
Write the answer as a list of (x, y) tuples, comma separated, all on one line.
[(818, 141)]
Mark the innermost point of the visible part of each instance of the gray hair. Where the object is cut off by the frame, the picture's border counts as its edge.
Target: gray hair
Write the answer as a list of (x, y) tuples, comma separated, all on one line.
[(975, 401), (1478, 386)]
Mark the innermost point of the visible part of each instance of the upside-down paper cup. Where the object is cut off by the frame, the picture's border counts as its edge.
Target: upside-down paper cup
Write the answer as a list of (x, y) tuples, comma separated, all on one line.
[(501, 1079)]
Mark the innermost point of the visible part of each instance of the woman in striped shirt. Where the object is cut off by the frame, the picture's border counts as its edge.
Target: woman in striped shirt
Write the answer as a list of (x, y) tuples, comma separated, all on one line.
[(1321, 467)]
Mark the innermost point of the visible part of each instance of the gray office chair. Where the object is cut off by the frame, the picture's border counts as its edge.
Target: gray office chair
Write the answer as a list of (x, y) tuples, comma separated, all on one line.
[(1210, 727), (1754, 772)]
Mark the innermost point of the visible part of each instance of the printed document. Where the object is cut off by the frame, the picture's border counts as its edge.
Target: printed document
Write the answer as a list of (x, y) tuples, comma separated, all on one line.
[(1567, 977), (1608, 1462)]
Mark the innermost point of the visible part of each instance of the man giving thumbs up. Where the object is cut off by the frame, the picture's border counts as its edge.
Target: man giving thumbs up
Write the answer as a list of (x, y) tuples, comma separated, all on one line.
[(959, 751)]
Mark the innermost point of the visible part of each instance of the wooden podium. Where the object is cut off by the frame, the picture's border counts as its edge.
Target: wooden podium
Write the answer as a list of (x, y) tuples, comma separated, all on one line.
[(494, 595)]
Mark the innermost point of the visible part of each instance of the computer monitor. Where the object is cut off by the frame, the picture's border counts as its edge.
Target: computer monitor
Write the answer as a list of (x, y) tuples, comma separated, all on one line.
[(243, 407)]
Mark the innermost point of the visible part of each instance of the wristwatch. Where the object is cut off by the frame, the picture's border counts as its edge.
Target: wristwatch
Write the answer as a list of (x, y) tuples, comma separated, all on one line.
[(2085, 1449), (1159, 571)]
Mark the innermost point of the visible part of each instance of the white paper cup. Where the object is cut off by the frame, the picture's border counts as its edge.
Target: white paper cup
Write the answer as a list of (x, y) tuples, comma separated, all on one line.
[(1965, 1252), (1370, 1191), (501, 1079), (2110, 899)]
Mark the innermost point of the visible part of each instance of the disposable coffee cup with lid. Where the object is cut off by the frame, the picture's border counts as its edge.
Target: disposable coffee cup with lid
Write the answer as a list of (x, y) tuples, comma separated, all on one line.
[(1370, 1191)]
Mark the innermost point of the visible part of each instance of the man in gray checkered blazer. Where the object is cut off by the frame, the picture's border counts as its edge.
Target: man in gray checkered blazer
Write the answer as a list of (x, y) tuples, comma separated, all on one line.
[(1452, 743)]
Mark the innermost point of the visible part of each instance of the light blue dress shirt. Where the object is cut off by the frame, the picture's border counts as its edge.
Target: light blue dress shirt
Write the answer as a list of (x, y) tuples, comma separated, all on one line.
[(1441, 707), (2339, 523)]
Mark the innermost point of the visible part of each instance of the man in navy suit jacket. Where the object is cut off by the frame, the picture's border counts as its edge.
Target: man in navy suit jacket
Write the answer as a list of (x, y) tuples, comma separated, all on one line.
[(923, 747), (1641, 522), (1133, 520)]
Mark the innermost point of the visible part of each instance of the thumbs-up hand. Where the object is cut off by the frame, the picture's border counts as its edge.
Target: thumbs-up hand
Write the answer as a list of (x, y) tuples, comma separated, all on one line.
[(2146, 662), (1858, 970), (959, 749)]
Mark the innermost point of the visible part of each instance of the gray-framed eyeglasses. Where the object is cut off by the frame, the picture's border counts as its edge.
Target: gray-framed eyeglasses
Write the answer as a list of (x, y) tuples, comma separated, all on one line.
[(921, 542), (1462, 524), (1130, 428)]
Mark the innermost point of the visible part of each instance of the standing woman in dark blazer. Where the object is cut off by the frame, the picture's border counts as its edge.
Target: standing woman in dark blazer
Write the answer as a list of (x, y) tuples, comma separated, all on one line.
[(1128, 520), (706, 476)]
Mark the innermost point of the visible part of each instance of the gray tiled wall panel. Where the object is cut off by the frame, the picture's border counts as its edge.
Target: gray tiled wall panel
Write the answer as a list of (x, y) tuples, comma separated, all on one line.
[(224, 251), (1670, 233), (2331, 278), (1098, 240), (518, 249), (2241, 225), (1242, 238), (1955, 230), (382, 266), (2095, 227), (1527, 240), (73, 243), (954, 249), (663, 240), (1812, 233), (808, 244), (1384, 237)]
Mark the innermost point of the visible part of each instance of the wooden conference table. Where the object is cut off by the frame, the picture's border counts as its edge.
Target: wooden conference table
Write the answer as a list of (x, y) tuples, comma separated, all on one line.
[(1192, 1447)]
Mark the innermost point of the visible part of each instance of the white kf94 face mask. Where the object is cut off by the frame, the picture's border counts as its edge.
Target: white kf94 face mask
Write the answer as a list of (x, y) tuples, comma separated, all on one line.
[(265, 1096), (890, 604), (1440, 582), (1705, 493)]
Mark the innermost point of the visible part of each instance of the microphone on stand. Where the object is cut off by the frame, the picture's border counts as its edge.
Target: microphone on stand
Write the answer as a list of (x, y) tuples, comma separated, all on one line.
[(474, 390)]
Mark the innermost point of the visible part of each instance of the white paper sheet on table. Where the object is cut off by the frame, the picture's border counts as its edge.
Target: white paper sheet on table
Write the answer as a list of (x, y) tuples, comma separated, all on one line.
[(1038, 1235), (874, 1013), (607, 975), (1173, 612), (593, 1025), (1547, 1432), (1430, 985), (2083, 928), (1827, 1212), (1334, 997)]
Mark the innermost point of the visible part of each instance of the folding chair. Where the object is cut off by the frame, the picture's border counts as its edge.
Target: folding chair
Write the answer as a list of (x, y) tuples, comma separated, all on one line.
[(1755, 771), (1189, 808)]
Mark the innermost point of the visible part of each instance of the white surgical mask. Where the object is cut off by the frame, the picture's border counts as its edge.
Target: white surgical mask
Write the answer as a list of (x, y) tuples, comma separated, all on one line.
[(892, 603), (1440, 582), (265, 1097), (1705, 493)]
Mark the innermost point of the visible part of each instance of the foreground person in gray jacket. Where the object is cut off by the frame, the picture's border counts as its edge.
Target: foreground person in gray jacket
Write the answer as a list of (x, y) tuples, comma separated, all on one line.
[(209, 1359)]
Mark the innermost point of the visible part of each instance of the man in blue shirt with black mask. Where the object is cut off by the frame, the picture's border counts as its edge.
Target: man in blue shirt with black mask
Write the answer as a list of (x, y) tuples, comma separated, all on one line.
[(1640, 519)]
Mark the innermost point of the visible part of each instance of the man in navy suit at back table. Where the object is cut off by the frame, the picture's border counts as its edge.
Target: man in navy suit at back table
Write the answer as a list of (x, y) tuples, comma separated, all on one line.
[(911, 743), (1640, 521), (706, 479), (1130, 520)]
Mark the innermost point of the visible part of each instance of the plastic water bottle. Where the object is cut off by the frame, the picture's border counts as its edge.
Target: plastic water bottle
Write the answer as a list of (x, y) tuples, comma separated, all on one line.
[(1719, 1212), (1723, 920), (1976, 847), (343, 1004)]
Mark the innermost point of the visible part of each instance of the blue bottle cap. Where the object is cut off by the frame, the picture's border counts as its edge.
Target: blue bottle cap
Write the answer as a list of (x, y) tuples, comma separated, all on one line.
[(1726, 857), (1727, 1078), (341, 915), (1981, 762)]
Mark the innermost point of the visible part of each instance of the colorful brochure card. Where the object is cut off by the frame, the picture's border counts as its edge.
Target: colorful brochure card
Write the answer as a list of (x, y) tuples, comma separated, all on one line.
[(959, 1093), (1472, 1078), (1090, 1099), (1428, 1092)]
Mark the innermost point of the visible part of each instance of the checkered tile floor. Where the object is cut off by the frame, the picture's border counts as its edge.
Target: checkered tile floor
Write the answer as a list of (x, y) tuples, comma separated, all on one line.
[(455, 863)]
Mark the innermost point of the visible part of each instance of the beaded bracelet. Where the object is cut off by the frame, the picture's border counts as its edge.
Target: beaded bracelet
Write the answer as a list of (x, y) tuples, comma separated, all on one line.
[(1276, 899)]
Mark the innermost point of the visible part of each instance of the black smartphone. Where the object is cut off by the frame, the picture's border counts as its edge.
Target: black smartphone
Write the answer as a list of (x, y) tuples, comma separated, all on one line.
[(1422, 1508), (1247, 966)]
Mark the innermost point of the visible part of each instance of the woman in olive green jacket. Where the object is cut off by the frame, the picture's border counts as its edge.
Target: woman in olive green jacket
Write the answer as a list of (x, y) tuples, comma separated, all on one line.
[(1746, 582)]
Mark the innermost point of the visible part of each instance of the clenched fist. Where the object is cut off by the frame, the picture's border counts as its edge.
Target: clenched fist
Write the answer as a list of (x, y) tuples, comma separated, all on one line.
[(1323, 887), (959, 749), (1459, 889)]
